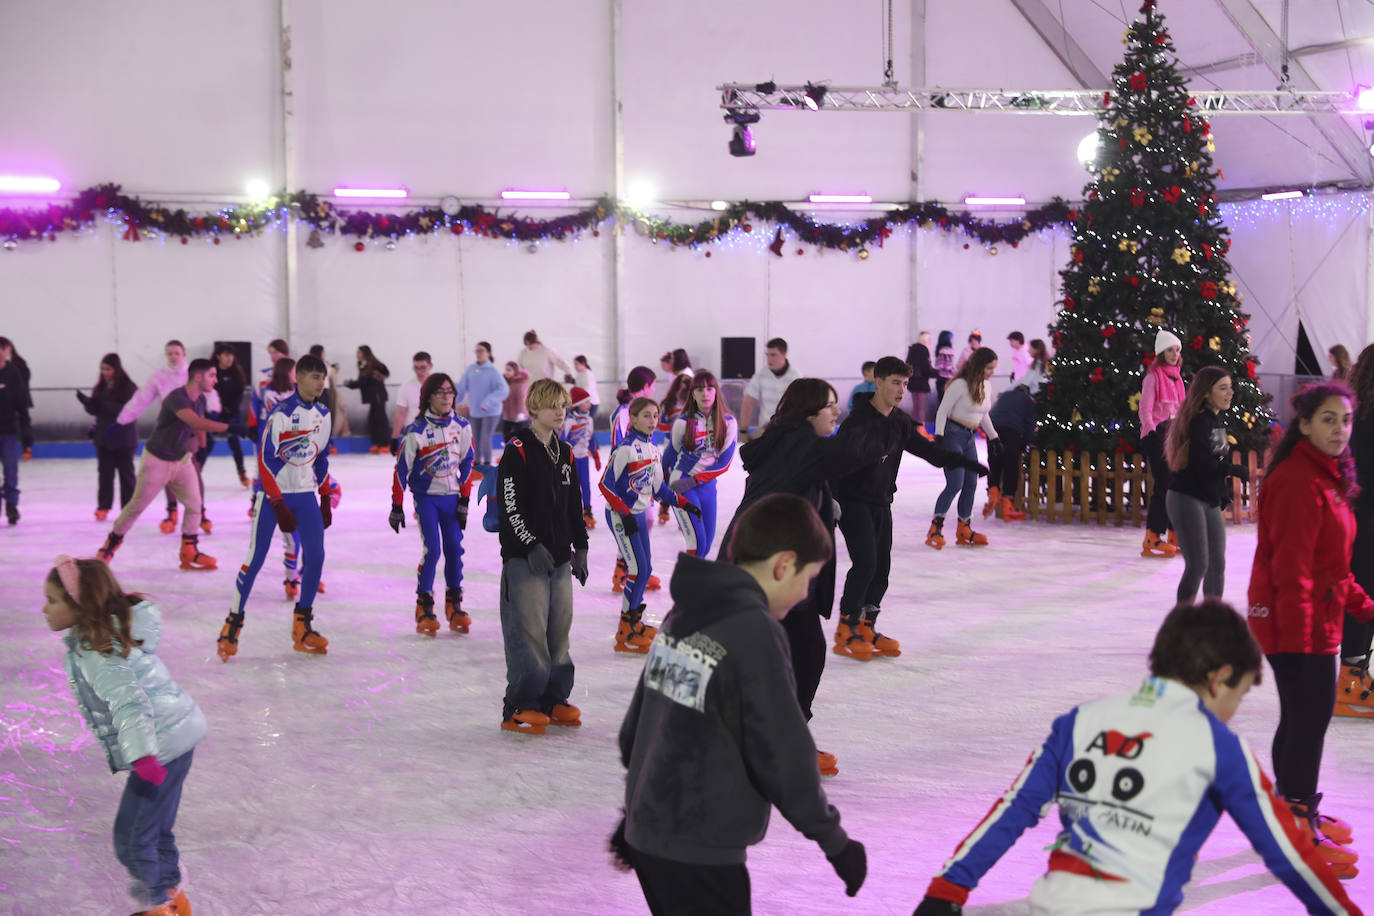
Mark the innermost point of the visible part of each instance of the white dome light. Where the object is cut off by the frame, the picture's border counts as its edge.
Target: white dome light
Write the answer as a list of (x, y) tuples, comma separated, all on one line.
[(1088, 149)]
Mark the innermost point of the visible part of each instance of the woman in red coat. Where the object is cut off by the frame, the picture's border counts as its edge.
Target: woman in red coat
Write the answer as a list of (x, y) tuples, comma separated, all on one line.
[(1300, 590)]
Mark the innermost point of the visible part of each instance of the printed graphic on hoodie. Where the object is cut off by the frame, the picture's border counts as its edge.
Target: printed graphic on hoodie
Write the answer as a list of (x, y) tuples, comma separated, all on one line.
[(681, 669)]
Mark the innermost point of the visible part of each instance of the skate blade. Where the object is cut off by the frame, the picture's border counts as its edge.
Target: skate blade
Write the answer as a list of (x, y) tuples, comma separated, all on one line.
[(849, 653), (566, 723), (889, 653), (938, 545), (1354, 711), (198, 568), (830, 771), (431, 632), (522, 728), (311, 650), (631, 648), (227, 652)]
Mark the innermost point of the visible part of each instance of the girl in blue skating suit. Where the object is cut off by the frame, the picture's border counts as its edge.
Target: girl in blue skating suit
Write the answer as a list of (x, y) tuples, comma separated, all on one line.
[(700, 448), (633, 478), (580, 434), (435, 461)]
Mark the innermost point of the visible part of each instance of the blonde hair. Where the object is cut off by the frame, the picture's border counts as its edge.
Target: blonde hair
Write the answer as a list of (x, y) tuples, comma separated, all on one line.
[(544, 394), (102, 613)]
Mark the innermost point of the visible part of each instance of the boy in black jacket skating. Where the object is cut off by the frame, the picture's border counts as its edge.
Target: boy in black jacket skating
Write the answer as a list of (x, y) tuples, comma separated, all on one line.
[(865, 498), (714, 736), (543, 546)]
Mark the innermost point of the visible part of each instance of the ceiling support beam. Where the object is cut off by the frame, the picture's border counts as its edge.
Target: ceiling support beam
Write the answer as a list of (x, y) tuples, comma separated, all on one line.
[(1349, 146), (1061, 44), (1252, 59)]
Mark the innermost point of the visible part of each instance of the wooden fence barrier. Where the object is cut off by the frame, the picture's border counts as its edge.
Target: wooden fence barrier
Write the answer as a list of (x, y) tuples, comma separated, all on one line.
[(1113, 488)]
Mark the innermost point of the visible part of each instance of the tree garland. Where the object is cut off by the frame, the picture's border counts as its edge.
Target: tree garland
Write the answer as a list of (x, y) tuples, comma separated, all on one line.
[(322, 216)]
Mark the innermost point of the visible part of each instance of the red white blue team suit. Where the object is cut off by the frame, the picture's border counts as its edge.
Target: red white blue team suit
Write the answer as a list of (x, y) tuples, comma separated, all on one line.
[(632, 480), (293, 465), (435, 462), (580, 435), (1141, 779), (693, 453)]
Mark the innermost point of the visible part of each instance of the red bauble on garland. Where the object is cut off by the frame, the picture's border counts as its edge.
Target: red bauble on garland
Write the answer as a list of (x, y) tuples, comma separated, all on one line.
[(358, 246), (1197, 343), (1138, 82)]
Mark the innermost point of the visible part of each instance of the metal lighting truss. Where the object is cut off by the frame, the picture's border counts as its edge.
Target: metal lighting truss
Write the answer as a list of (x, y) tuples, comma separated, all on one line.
[(746, 97)]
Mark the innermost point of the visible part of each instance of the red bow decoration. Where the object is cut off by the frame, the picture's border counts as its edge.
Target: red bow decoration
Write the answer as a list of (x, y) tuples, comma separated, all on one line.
[(1207, 250), (1191, 101), (1073, 216), (1106, 99), (1108, 331), (1138, 82), (1238, 324), (1148, 7), (1147, 360), (1187, 124), (1069, 303), (1250, 368), (1161, 38), (1197, 342), (1137, 197), (1208, 289), (131, 232), (1130, 280), (383, 222), (1172, 193), (1096, 375), (1078, 255)]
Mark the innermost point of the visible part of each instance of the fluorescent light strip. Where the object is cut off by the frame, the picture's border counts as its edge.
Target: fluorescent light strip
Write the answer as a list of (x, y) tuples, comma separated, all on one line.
[(841, 199), (994, 201), (1281, 195), (536, 195), (28, 184), (370, 192)]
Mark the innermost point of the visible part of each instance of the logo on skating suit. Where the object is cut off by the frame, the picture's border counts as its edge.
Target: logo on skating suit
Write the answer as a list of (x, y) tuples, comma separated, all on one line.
[(641, 475), (297, 447), (1115, 744), (435, 460)]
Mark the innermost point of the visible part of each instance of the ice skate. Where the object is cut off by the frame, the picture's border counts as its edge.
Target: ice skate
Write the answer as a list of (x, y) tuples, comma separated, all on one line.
[(850, 642), (653, 584), (28, 453), (319, 588), (935, 537), (107, 550), (1355, 691), (965, 536), (1153, 546), (588, 518), (882, 645), (426, 624), (527, 722), (191, 557), (630, 635), (458, 620), (828, 764), (228, 644), (169, 524), (292, 587), (178, 902), (994, 497), (1007, 509), (565, 714), (618, 576), (303, 635), (102, 514), (243, 478), (1342, 859)]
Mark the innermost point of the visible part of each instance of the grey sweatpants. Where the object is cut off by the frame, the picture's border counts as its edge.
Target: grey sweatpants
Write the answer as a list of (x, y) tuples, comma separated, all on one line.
[(1202, 541)]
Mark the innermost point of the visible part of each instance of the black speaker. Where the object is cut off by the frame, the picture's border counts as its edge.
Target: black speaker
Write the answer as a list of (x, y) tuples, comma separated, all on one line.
[(736, 357)]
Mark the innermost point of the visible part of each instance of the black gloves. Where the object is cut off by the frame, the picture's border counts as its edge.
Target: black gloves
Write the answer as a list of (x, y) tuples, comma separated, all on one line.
[(939, 441), (579, 565), (326, 510), (1239, 470), (691, 509), (540, 560), (286, 519), (970, 464), (395, 447), (397, 519), (630, 525), (83, 397), (934, 906), (994, 448), (851, 864), (462, 513), (114, 428)]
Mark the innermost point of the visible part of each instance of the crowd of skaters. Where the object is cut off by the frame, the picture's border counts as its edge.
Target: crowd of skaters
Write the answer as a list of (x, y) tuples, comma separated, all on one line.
[(541, 508)]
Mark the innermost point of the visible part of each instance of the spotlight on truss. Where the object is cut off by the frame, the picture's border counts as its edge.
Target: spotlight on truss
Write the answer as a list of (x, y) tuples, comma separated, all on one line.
[(815, 96)]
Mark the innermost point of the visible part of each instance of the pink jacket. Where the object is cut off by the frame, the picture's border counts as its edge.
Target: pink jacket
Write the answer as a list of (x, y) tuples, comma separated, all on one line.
[(1160, 396)]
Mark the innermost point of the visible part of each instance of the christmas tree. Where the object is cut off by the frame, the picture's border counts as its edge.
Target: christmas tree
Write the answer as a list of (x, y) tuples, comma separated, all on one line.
[(1149, 252)]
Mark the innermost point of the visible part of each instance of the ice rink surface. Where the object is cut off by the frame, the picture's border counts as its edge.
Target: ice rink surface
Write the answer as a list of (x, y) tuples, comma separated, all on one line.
[(376, 779)]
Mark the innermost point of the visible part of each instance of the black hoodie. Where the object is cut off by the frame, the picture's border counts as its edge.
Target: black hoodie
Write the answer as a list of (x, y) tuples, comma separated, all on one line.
[(714, 737), (875, 483)]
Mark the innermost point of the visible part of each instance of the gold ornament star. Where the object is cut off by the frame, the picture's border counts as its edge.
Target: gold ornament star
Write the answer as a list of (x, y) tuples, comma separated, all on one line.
[(1182, 255), (1134, 402), (1215, 344), (1110, 174), (1094, 287), (1142, 136)]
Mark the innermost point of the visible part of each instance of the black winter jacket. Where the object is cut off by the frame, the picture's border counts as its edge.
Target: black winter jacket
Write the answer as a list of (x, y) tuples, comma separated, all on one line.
[(540, 500), (714, 737), (918, 358), (1209, 461), (105, 405), (1014, 412), (14, 401), (876, 483)]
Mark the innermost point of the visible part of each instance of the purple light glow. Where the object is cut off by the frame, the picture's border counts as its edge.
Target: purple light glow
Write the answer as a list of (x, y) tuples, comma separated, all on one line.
[(535, 195), (995, 201), (1364, 98), (371, 192), (1281, 195), (841, 198), (28, 184)]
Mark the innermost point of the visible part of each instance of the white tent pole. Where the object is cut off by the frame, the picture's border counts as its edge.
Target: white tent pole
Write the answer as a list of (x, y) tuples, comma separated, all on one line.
[(616, 254), (291, 285), (917, 40)]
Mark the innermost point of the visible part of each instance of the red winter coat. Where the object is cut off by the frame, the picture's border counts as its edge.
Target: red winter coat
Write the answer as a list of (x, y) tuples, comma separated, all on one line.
[(1300, 584)]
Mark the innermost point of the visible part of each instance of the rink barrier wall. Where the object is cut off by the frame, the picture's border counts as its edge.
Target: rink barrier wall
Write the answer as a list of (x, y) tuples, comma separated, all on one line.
[(347, 445), (1115, 488)]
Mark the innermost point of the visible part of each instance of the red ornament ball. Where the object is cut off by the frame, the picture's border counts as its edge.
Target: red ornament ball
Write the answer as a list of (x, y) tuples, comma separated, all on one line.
[(216, 240), (966, 244), (801, 251), (358, 246), (184, 240), (747, 227), (708, 254), (596, 233)]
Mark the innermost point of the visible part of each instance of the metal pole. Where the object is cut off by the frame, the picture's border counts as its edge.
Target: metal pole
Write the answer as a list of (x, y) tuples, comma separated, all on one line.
[(616, 255), (918, 77), (291, 287)]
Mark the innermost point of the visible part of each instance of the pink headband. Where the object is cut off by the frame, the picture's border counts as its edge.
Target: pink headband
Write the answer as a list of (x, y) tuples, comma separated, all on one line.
[(70, 575)]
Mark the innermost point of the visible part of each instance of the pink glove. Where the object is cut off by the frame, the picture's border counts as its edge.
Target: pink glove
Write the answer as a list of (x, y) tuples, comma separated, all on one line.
[(149, 770)]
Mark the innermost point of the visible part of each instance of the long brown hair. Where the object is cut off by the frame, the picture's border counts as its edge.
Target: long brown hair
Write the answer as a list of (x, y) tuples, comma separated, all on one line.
[(1176, 447), (120, 385), (1342, 357), (704, 379), (678, 398), (1361, 382), (1306, 403), (102, 614), (974, 369)]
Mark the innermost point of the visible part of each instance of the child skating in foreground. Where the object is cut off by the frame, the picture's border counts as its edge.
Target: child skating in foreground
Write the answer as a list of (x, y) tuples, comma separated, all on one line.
[(145, 722), (714, 737), (1141, 780)]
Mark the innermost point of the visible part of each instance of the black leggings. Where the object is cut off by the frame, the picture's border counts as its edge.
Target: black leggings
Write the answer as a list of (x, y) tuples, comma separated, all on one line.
[(378, 425), (1004, 471), (867, 532), (1157, 516), (109, 463), (684, 889), (1307, 692), (806, 638)]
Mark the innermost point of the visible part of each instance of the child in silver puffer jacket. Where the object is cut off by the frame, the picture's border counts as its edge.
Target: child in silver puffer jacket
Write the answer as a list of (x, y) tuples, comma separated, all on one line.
[(144, 721)]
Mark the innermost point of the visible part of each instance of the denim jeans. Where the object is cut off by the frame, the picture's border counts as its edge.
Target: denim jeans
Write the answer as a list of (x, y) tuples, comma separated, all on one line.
[(536, 616), (960, 481), (9, 458), (482, 430), (143, 840)]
